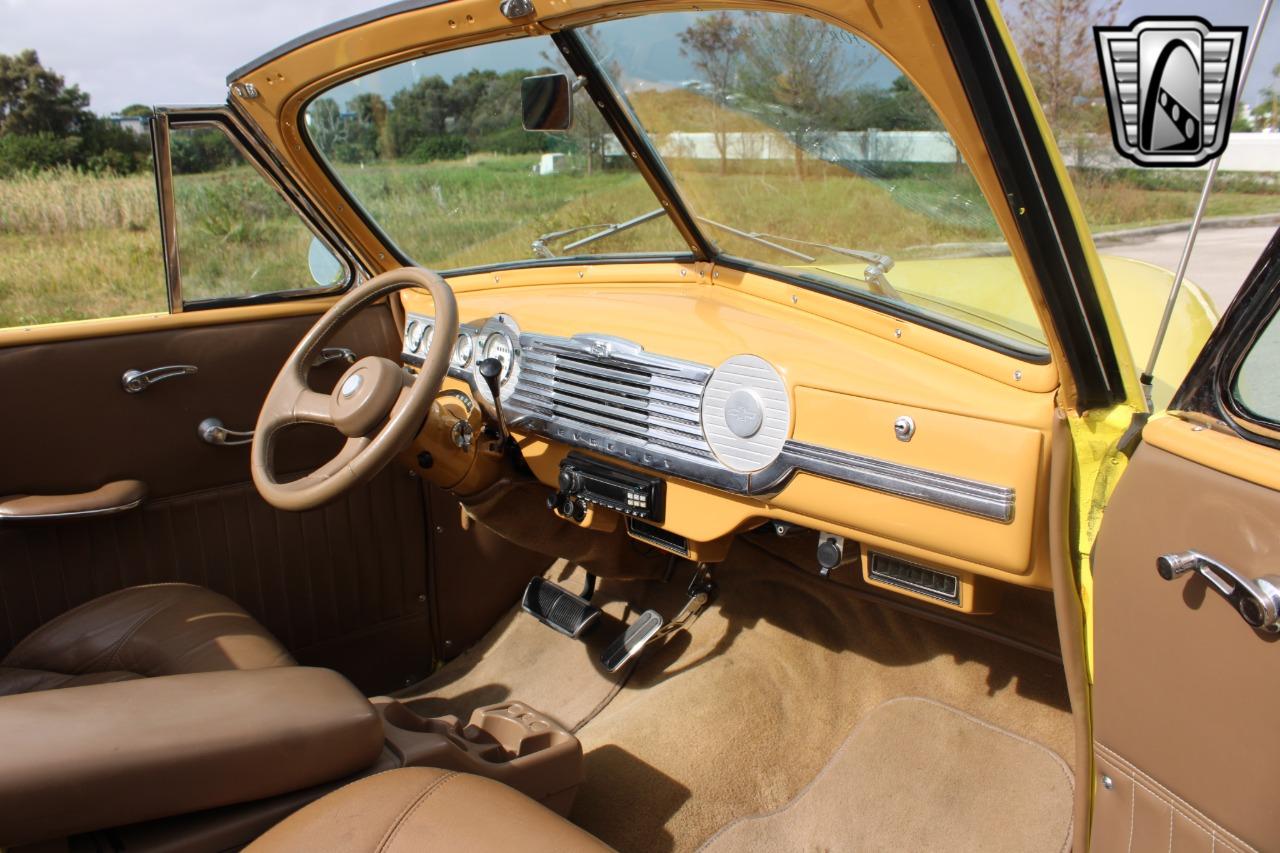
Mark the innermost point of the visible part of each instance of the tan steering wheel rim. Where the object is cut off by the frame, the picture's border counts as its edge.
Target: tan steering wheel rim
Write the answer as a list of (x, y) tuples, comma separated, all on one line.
[(376, 404)]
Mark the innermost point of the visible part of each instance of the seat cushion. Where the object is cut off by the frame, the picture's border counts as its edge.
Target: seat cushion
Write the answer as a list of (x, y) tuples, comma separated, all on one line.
[(139, 632), (420, 808)]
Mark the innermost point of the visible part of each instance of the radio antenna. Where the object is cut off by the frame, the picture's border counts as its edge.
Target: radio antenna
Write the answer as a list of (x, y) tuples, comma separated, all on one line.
[(1148, 375)]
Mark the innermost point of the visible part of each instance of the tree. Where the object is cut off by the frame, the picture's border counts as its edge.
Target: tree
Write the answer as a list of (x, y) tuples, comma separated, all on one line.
[(1055, 39), (797, 70), (33, 99), (714, 44), (420, 111), (136, 111)]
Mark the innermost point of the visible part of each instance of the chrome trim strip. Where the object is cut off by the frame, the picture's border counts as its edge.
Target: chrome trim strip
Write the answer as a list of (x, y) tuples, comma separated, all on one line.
[(84, 513), (918, 484)]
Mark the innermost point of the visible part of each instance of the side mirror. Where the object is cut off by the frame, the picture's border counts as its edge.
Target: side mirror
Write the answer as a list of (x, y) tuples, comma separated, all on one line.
[(546, 102), (326, 270)]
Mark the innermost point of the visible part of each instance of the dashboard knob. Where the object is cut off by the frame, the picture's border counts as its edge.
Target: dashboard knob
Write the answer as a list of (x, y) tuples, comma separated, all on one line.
[(570, 481)]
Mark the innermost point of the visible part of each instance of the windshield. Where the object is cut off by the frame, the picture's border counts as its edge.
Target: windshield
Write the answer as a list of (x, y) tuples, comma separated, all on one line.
[(796, 147), (434, 151), (799, 146)]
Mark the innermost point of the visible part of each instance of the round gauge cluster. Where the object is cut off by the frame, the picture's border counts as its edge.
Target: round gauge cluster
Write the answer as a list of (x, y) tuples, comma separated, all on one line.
[(498, 339), (463, 349), (417, 335)]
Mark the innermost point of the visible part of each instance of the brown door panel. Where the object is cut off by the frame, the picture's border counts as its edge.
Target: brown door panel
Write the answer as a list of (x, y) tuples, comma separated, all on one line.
[(343, 586), (1185, 693), (76, 428)]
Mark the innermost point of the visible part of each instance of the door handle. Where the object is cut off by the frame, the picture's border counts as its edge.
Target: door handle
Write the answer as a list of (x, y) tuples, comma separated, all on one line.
[(329, 354), (1256, 600), (213, 431), (136, 381)]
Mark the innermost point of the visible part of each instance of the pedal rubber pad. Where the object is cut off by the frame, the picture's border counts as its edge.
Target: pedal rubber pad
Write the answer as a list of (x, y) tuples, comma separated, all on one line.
[(557, 608), (631, 641)]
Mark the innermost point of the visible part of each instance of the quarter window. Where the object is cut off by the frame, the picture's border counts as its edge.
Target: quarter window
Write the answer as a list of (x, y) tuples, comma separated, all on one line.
[(1256, 389)]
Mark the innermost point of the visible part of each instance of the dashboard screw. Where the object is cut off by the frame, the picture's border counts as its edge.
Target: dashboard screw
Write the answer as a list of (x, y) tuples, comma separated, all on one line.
[(795, 299), (1108, 782), (1017, 376)]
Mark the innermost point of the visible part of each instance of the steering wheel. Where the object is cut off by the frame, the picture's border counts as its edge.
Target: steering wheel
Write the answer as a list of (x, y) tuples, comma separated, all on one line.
[(376, 404)]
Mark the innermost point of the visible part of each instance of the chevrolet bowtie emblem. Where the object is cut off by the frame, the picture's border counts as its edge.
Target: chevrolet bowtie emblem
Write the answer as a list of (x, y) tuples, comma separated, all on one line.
[(1171, 88)]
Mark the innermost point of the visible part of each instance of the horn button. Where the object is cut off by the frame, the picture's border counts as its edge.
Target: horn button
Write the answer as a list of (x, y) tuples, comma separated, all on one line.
[(365, 395)]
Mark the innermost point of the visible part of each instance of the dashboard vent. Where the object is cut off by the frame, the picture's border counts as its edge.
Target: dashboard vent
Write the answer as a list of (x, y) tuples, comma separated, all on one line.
[(656, 536), (613, 387), (918, 579)]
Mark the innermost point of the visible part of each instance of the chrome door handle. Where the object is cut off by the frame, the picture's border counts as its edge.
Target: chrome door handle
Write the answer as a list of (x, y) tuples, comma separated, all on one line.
[(212, 431), (135, 381), (1256, 600), (329, 354)]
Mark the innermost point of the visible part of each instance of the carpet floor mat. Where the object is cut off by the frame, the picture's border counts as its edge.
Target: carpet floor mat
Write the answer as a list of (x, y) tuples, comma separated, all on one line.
[(918, 775)]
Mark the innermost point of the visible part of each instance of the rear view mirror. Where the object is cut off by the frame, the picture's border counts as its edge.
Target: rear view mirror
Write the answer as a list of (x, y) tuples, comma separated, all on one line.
[(546, 102)]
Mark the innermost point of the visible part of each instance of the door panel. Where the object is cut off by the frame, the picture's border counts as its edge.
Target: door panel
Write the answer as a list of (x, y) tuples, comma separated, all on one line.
[(342, 586), (1185, 693)]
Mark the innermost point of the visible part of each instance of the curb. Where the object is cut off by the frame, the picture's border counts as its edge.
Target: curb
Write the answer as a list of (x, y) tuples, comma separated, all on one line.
[(1126, 235)]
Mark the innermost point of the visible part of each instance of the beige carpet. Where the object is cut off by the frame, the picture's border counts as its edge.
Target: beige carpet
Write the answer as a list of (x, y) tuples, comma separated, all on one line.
[(735, 716), (918, 775)]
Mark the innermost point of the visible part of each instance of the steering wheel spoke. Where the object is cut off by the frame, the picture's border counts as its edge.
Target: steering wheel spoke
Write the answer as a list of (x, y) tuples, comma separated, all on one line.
[(311, 407)]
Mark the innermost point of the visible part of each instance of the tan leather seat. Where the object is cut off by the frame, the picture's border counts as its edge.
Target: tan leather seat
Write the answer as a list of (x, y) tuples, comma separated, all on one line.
[(142, 631), (420, 808)]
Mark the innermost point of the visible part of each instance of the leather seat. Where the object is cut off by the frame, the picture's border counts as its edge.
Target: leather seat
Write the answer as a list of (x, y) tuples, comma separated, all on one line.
[(142, 631), (420, 808)]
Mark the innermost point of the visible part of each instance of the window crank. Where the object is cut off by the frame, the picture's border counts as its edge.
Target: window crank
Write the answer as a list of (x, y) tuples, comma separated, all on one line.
[(1256, 600), (212, 431)]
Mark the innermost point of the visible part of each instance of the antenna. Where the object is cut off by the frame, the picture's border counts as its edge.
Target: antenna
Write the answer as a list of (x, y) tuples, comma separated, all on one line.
[(1148, 375)]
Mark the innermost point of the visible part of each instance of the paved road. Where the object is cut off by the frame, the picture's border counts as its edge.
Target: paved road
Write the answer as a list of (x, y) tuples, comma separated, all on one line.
[(1219, 263)]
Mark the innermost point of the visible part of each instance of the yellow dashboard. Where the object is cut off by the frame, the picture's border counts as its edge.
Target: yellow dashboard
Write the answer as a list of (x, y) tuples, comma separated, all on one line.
[(753, 403)]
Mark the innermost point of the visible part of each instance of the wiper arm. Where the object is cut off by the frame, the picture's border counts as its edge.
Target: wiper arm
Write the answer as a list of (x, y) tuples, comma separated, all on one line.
[(600, 231), (876, 273)]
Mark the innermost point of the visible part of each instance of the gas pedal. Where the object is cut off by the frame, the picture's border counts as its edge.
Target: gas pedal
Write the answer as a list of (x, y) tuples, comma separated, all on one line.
[(632, 641), (557, 608), (652, 626)]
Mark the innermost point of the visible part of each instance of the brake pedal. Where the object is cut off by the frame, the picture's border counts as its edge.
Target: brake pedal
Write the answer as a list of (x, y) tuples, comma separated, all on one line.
[(557, 608)]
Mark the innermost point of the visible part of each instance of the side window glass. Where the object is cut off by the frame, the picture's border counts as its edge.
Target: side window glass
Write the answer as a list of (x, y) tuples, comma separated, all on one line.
[(1257, 389), (237, 236)]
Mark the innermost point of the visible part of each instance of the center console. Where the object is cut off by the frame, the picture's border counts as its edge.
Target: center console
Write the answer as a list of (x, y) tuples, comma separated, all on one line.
[(509, 742)]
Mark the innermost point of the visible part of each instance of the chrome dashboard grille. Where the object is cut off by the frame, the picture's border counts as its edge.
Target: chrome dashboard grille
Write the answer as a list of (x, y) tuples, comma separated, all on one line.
[(614, 389)]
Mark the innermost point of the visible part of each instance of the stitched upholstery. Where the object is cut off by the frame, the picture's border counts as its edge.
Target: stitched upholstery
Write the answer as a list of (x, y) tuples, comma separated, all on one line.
[(139, 632)]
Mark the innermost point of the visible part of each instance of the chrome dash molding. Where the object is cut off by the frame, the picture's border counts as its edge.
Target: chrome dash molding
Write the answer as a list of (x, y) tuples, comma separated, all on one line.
[(618, 400)]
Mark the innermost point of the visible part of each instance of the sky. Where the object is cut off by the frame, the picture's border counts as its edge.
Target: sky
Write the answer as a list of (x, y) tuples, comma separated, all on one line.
[(172, 52)]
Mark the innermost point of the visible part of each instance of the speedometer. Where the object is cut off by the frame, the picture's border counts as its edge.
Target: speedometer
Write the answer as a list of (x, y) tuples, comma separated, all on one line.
[(499, 347)]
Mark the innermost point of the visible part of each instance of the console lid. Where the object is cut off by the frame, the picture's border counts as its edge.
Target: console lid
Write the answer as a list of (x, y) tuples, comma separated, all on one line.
[(84, 758)]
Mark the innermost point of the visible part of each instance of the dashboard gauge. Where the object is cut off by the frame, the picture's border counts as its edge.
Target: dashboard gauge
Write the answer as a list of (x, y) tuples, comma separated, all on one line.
[(410, 333), (499, 347), (416, 335), (462, 350), (426, 341)]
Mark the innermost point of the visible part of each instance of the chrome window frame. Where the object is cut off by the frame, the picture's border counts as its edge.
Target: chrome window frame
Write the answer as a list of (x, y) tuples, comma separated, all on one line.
[(166, 119)]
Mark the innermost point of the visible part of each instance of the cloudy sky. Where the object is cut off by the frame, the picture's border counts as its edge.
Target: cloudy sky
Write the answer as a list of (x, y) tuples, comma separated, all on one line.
[(179, 51)]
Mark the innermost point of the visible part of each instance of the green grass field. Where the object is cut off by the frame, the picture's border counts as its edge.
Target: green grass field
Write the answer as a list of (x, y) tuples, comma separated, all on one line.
[(77, 246)]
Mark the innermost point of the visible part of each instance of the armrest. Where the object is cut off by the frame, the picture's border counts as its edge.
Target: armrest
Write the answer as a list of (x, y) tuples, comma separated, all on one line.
[(84, 758), (111, 498)]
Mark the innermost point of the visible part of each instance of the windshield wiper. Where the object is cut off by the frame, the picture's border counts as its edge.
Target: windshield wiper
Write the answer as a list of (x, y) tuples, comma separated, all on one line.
[(542, 250), (876, 273)]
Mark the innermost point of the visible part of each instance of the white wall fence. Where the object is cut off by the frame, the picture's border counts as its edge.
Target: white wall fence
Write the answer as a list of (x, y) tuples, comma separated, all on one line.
[(1246, 152)]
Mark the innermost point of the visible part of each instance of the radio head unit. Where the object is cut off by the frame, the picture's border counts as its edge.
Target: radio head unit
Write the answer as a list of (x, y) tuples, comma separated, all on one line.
[(587, 481)]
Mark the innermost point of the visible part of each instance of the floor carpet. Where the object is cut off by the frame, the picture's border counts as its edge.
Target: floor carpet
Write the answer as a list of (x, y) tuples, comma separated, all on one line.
[(918, 775), (736, 715)]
